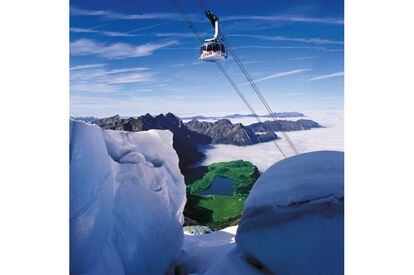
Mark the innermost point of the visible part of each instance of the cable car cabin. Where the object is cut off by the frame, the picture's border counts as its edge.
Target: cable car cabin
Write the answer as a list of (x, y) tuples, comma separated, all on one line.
[(212, 51)]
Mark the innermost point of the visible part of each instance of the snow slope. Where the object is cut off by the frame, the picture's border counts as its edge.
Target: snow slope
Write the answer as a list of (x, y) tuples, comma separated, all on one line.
[(293, 218), (126, 201), (213, 253)]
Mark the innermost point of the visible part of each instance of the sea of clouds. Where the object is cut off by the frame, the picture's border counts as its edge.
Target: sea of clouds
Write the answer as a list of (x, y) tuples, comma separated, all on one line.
[(263, 155)]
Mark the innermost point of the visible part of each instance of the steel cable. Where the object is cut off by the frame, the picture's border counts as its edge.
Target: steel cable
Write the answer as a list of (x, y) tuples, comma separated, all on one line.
[(228, 77)]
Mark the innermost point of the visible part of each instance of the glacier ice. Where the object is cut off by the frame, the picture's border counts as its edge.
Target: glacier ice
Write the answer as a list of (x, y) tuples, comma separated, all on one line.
[(127, 197), (90, 195)]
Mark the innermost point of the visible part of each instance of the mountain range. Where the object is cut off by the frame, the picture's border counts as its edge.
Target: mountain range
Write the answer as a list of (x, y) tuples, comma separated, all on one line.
[(187, 136), (280, 115)]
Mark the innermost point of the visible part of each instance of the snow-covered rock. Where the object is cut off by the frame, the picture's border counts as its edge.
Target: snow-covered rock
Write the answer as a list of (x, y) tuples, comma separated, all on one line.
[(126, 201), (197, 230), (91, 195), (148, 157), (214, 253), (201, 251), (293, 218)]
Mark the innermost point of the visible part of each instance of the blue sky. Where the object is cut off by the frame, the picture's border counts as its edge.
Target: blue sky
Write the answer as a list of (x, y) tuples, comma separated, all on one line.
[(136, 57)]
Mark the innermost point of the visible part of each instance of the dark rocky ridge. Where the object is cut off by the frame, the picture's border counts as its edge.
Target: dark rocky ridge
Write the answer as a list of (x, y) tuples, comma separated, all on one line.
[(285, 125), (280, 114), (225, 132), (184, 141), (186, 136)]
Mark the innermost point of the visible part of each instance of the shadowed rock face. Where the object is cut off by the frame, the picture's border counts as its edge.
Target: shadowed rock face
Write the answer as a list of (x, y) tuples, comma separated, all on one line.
[(224, 132), (285, 125), (184, 141)]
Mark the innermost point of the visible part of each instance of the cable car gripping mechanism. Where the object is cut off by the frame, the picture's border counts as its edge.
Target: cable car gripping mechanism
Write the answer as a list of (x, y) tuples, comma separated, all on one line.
[(214, 20)]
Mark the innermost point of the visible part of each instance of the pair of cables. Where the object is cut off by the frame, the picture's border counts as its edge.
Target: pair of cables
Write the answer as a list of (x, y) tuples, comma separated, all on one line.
[(231, 81)]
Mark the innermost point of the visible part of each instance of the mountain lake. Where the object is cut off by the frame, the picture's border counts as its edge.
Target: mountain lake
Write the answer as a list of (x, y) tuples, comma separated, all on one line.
[(219, 186)]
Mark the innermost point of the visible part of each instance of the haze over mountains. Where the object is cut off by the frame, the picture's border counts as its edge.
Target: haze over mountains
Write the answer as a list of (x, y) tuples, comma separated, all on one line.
[(279, 114)]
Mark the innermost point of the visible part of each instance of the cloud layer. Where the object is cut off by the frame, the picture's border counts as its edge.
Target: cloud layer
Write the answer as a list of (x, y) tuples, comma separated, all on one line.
[(282, 74), (291, 18), (325, 76), (116, 50), (313, 40)]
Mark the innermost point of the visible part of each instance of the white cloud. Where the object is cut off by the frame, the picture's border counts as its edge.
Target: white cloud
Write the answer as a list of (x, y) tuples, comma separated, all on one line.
[(334, 21), (288, 48), (325, 76), (302, 58), (112, 15), (263, 155), (281, 74), (179, 34), (130, 78), (125, 70), (115, 15), (116, 50), (93, 80), (86, 66), (254, 61), (186, 64), (106, 33), (313, 40), (149, 27), (99, 73)]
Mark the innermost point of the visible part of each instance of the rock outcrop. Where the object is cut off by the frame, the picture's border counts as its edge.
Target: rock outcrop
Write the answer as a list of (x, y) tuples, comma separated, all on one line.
[(184, 141), (225, 132), (285, 125)]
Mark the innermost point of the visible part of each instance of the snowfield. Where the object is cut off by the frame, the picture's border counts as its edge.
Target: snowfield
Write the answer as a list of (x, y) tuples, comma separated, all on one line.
[(127, 197)]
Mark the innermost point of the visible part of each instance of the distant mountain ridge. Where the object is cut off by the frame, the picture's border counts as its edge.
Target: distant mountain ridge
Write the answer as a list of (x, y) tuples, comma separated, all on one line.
[(184, 141), (225, 132), (279, 114), (90, 119), (187, 136), (285, 125)]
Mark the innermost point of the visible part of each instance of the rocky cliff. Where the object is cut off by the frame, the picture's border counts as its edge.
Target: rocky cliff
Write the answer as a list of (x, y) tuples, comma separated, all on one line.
[(185, 141), (225, 132), (285, 125)]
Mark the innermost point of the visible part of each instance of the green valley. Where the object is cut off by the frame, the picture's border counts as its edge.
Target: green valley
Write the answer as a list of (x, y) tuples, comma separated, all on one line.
[(216, 193)]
